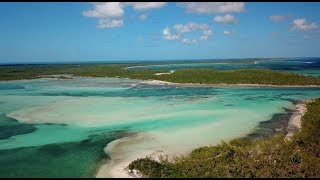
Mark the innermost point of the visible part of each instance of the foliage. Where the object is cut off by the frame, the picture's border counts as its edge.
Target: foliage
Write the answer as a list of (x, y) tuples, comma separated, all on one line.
[(192, 75), (241, 76)]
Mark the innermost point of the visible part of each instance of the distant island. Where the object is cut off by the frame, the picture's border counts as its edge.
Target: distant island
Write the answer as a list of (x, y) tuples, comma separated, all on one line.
[(204, 76)]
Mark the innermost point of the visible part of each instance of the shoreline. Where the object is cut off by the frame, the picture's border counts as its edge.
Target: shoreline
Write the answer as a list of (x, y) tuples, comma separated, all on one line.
[(117, 168), (117, 165), (294, 124), (159, 82), (287, 122), (121, 170)]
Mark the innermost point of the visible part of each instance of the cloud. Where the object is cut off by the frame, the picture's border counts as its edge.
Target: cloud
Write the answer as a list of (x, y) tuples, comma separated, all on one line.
[(110, 23), (188, 41), (143, 17), (110, 14), (226, 19), (303, 25), (168, 36), (145, 5), (213, 7), (227, 33), (206, 34), (105, 10), (181, 29), (277, 18)]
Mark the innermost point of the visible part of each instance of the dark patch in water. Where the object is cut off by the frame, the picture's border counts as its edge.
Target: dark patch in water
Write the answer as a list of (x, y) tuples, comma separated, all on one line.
[(72, 159), (290, 100), (250, 98), (50, 124), (10, 127), (278, 123), (13, 130), (139, 91), (9, 86)]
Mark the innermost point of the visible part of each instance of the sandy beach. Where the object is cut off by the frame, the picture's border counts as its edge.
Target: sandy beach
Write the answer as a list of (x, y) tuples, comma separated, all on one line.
[(122, 156), (294, 123), (158, 82)]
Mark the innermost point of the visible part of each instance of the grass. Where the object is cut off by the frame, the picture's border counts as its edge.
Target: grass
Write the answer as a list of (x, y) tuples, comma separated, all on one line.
[(272, 157)]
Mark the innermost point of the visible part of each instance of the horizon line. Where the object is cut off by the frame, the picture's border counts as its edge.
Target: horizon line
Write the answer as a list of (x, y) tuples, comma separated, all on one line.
[(139, 61)]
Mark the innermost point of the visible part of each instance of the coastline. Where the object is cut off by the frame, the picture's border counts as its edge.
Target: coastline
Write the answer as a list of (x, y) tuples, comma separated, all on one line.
[(159, 82), (117, 166), (294, 124), (288, 122), (119, 169)]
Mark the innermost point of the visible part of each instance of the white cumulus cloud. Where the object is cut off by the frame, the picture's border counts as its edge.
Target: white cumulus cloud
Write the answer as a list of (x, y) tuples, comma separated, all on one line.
[(145, 5), (303, 25), (110, 14), (168, 36), (105, 10), (213, 7), (206, 34), (110, 23), (226, 19), (181, 29)]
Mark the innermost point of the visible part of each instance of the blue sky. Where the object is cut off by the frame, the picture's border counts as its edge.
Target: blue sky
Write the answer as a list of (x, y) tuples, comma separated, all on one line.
[(62, 32)]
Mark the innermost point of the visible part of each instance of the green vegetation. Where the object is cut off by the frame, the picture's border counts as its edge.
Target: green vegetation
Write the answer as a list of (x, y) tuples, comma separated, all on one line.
[(192, 75), (272, 157), (89, 70), (241, 76)]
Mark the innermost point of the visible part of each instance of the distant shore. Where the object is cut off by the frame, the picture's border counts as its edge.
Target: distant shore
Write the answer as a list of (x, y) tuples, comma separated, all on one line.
[(158, 82)]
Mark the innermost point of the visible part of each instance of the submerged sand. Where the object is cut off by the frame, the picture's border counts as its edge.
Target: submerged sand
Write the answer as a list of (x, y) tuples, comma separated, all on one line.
[(121, 157), (216, 120)]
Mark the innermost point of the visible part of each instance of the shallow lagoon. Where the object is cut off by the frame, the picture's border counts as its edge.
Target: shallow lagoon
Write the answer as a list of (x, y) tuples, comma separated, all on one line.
[(60, 128)]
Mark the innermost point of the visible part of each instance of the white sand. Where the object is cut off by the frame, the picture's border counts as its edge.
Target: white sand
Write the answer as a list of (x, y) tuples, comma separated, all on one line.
[(158, 82), (294, 123), (122, 154), (159, 74), (173, 142)]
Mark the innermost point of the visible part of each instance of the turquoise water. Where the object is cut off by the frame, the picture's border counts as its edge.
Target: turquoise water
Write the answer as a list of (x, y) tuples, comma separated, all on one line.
[(306, 66), (64, 128)]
